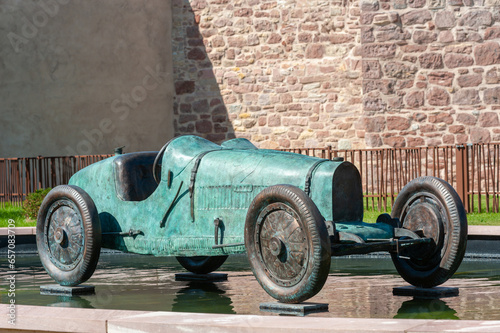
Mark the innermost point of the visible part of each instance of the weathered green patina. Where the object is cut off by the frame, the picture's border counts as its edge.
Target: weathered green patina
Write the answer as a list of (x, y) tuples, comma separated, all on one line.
[(227, 180), (290, 213)]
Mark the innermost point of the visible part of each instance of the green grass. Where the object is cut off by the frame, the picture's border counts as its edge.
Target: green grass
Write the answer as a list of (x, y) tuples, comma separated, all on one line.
[(475, 203), (483, 218), (474, 218), (370, 216), (12, 212), (16, 213)]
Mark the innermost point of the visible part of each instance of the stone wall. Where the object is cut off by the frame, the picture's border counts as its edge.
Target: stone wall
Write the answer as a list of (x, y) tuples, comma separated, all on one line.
[(286, 71), (350, 74), (199, 105), (80, 77), (431, 72)]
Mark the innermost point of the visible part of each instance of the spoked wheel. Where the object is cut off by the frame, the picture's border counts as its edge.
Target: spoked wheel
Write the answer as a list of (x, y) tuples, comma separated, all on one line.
[(430, 207), (201, 265), (287, 244), (68, 235)]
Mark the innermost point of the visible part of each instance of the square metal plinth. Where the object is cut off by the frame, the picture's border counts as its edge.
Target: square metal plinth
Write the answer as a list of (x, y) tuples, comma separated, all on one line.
[(211, 277), (436, 292), (57, 290), (300, 309)]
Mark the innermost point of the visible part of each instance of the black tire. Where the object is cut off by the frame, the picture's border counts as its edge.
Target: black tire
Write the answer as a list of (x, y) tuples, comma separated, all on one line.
[(68, 235), (201, 265), (430, 206), (287, 244)]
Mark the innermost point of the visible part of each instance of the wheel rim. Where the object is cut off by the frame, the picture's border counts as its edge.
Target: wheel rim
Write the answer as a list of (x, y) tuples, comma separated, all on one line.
[(421, 209), (64, 235), (281, 244)]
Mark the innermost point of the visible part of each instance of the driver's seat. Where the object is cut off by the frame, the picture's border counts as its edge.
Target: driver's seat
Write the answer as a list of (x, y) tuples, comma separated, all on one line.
[(134, 175)]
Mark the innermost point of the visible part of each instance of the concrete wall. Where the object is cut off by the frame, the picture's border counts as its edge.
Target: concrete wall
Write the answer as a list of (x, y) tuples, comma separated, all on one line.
[(80, 77)]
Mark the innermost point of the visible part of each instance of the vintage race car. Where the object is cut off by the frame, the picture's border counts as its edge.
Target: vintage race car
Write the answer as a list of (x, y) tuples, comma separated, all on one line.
[(290, 213)]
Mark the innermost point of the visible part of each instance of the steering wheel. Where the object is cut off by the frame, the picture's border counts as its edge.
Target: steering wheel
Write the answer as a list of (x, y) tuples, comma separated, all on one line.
[(158, 158)]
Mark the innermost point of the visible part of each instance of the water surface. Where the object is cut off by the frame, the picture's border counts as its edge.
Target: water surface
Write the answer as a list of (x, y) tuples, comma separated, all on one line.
[(358, 287)]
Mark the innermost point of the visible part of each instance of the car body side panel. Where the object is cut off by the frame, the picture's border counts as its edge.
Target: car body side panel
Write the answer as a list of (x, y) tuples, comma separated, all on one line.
[(161, 233), (227, 180)]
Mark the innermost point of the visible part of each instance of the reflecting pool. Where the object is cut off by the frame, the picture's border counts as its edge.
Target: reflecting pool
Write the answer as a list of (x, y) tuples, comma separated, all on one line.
[(356, 287)]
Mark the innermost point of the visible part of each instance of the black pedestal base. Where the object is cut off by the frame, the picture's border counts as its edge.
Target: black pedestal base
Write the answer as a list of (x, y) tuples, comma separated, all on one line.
[(211, 277), (436, 292), (57, 290), (301, 309)]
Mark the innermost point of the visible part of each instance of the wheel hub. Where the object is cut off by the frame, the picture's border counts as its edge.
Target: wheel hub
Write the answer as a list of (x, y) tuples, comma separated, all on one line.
[(424, 216), (61, 236), (277, 246)]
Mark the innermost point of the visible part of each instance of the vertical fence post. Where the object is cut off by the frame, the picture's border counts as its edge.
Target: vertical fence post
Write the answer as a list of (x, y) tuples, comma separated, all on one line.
[(463, 175), (39, 173)]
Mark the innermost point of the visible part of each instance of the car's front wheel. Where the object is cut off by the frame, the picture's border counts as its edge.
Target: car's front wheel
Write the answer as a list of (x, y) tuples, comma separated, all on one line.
[(431, 207), (287, 243), (68, 235)]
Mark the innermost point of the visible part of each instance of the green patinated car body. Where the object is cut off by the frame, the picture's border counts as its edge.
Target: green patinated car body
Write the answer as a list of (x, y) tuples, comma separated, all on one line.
[(290, 213), (202, 182)]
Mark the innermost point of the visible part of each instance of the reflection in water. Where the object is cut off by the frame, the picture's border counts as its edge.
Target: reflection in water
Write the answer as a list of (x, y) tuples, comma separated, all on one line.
[(420, 308), (356, 288), (204, 297), (72, 302)]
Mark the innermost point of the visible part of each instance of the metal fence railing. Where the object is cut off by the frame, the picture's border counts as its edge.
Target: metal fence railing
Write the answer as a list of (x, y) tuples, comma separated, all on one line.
[(483, 178), (21, 176), (473, 170)]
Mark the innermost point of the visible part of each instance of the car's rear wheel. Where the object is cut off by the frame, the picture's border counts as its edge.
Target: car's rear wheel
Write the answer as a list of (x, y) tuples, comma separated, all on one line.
[(430, 207), (68, 235), (287, 244), (201, 264)]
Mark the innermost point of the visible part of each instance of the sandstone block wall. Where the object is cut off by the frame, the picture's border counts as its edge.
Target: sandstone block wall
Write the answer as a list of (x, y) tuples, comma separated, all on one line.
[(350, 74), (84, 77), (431, 72), (280, 73)]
